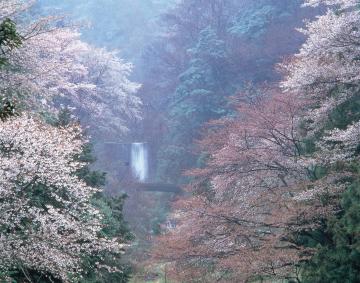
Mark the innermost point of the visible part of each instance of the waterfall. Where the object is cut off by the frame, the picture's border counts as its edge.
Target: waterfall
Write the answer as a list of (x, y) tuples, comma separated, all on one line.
[(139, 161)]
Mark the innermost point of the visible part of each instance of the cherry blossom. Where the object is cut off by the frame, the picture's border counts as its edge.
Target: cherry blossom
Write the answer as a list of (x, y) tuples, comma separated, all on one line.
[(48, 222), (54, 62)]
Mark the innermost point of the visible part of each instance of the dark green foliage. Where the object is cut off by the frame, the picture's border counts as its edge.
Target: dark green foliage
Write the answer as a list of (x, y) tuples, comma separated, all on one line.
[(338, 254), (112, 207), (346, 113), (92, 178), (65, 118), (179, 158), (209, 47), (252, 22), (9, 39), (7, 110), (199, 97), (115, 226), (22, 276), (105, 277)]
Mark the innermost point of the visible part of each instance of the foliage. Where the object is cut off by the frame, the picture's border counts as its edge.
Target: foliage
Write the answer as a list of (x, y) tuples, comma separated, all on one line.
[(253, 21), (7, 111), (49, 222), (197, 54), (276, 196), (197, 98), (9, 38), (48, 64), (114, 227), (232, 220), (338, 254)]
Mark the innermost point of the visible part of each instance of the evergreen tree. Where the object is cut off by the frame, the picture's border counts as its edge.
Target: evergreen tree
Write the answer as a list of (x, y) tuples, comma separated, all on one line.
[(9, 39), (199, 97), (337, 258)]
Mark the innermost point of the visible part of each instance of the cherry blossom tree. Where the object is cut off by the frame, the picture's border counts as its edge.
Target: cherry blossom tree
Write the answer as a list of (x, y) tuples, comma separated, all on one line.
[(326, 68), (58, 64), (54, 62), (255, 195), (240, 205), (48, 222), (113, 101)]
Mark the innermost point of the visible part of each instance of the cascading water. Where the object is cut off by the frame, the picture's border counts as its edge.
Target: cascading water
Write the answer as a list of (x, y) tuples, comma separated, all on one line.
[(139, 161)]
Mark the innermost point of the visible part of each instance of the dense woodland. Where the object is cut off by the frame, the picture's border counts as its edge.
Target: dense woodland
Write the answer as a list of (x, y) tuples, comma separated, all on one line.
[(250, 111)]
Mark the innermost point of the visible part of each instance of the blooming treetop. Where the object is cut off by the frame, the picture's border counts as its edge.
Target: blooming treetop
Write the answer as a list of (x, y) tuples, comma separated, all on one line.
[(113, 101), (54, 62), (326, 69), (342, 3), (329, 56)]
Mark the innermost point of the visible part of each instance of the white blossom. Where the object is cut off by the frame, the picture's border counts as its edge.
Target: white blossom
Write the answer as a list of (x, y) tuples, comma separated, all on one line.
[(340, 145), (47, 220), (341, 3), (54, 62)]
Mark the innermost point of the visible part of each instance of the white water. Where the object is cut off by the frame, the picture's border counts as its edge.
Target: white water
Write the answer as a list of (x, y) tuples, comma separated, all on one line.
[(139, 161)]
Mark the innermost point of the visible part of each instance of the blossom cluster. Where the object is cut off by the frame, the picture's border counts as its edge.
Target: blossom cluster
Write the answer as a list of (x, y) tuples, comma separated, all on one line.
[(48, 222), (53, 65)]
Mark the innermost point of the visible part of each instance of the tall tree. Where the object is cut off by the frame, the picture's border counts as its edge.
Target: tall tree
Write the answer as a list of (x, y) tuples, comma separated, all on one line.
[(48, 222)]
